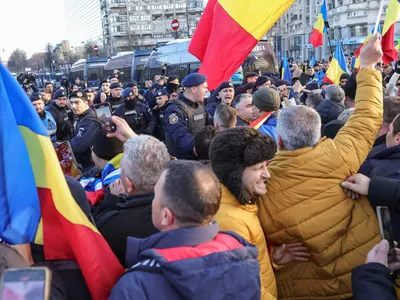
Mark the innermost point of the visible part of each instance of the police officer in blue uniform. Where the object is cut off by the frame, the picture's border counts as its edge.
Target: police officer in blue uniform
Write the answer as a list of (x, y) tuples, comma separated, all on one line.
[(136, 114), (161, 98), (115, 98), (185, 116), (46, 117), (86, 128), (58, 108)]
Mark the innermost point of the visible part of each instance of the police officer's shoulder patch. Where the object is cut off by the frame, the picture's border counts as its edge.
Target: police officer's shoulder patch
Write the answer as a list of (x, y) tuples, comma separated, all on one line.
[(173, 119)]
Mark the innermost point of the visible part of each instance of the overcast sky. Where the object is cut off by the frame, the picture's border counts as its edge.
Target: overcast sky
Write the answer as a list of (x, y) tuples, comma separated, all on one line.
[(30, 24)]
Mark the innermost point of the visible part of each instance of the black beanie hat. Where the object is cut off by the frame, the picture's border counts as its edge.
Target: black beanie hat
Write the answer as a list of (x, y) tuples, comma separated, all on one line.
[(106, 148), (233, 150)]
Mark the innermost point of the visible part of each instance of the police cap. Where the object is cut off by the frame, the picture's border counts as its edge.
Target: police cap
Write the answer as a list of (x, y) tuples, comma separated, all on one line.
[(88, 90), (161, 92), (225, 85), (194, 79), (127, 93), (250, 74), (172, 78), (78, 94), (35, 97), (59, 93), (115, 85), (105, 81)]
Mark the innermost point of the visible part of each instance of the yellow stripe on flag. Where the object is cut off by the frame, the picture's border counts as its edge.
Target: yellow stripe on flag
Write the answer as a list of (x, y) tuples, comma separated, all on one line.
[(256, 16), (334, 71), (320, 24), (48, 174), (392, 15)]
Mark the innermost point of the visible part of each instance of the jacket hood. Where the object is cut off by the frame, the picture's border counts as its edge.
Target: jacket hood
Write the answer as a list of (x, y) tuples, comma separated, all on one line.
[(381, 152), (195, 257)]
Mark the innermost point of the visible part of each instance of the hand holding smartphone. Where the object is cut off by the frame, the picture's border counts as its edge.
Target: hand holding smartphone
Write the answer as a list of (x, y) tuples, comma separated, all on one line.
[(386, 230), (103, 115)]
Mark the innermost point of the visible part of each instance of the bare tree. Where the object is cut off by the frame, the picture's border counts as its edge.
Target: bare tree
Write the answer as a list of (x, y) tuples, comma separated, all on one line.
[(18, 60), (49, 52), (37, 61)]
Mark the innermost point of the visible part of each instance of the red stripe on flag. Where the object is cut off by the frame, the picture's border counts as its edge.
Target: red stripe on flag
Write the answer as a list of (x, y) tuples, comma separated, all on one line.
[(326, 79), (221, 44), (260, 121), (358, 51), (316, 38), (387, 42), (65, 240)]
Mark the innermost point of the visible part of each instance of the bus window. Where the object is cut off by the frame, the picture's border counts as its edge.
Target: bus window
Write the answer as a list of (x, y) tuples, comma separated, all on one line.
[(193, 67), (174, 59), (182, 46), (127, 74)]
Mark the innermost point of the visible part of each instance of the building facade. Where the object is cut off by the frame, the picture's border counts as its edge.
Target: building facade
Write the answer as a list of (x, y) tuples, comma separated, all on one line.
[(350, 22), (142, 24), (83, 21)]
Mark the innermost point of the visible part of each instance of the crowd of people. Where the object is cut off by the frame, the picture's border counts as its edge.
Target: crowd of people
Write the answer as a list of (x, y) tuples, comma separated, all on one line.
[(262, 191)]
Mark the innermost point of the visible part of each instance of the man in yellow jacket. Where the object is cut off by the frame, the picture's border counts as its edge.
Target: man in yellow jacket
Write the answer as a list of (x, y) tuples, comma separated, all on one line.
[(305, 201), (239, 159)]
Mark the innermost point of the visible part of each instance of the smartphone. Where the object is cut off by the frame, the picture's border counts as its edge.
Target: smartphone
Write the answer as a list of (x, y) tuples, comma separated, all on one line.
[(385, 227), (103, 115), (30, 283), (303, 79), (68, 162)]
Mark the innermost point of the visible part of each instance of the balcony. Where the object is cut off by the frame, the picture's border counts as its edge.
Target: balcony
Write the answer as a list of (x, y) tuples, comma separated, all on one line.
[(117, 3)]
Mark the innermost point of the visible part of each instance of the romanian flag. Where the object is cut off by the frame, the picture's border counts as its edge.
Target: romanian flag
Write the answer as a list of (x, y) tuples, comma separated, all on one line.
[(387, 41), (337, 66), (371, 34), (227, 32), (286, 75), (260, 121), (35, 202), (316, 37), (355, 63)]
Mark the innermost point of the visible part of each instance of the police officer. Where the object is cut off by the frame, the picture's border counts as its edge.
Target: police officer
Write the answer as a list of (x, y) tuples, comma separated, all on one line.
[(104, 93), (136, 94), (136, 114), (90, 94), (86, 128), (115, 97), (161, 97), (46, 117), (58, 108), (185, 116), (225, 94)]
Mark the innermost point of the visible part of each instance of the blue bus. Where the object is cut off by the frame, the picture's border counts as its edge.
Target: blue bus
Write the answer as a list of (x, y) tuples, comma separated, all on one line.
[(178, 61), (130, 64), (90, 70)]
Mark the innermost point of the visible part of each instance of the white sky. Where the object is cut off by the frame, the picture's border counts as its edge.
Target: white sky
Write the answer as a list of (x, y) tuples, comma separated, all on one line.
[(30, 24)]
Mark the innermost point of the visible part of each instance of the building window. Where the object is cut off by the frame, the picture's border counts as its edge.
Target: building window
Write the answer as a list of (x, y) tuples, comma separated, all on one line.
[(357, 13), (180, 6), (134, 18), (145, 18), (168, 7), (135, 27), (358, 1), (115, 28), (157, 7), (146, 27), (359, 30)]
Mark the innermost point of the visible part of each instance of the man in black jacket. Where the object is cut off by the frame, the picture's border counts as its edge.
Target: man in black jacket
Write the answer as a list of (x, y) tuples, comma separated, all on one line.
[(122, 216), (58, 109), (333, 105), (115, 98)]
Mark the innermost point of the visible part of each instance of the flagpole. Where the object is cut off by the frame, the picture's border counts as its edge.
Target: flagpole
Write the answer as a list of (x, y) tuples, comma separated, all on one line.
[(329, 39), (378, 18)]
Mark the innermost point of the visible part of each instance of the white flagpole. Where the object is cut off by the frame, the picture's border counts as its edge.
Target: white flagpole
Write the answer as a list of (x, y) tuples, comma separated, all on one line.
[(378, 18)]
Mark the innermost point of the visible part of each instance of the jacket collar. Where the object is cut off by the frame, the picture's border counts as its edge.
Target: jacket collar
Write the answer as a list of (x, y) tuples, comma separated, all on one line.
[(186, 236), (387, 153), (136, 200), (283, 155), (229, 198)]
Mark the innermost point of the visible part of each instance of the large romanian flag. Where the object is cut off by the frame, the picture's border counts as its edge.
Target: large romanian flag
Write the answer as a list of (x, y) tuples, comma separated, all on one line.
[(371, 34), (392, 16), (337, 66), (228, 31), (35, 202), (317, 37)]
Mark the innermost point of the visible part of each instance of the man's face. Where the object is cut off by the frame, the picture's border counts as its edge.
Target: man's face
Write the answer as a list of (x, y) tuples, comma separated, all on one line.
[(326, 65), (77, 81), (75, 88), (105, 87), (78, 106), (245, 109), (387, 69), (49, 86), (157, 207), (343, 82), (267, 84), (254, 179), (392, 139), (256, 112), (39, 106), (200, 91), (161, 100), (116, 93), (61, 102), (112, 80), (46, 96), (318, 68), (251, 79), (227, 95), (149, 83), (135, 91), (310, 72), (90, 97)]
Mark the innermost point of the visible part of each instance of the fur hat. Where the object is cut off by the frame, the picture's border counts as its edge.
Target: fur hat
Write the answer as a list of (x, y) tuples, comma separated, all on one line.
[(233, 150)]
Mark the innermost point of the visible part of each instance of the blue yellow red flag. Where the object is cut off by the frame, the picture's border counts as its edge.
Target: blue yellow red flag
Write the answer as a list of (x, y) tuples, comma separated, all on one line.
[(337, 67), (372, 33), (36, 204), (316, 37)]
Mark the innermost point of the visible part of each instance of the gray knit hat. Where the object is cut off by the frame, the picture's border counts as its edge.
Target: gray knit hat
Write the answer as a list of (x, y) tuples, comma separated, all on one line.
[(266, 99)]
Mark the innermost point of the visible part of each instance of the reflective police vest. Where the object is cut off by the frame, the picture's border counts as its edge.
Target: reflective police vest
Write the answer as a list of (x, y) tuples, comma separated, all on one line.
[(196, 118)]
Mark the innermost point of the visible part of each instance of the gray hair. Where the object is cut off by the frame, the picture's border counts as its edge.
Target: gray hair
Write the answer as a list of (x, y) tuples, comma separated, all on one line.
[(334, 93), (299, 127), (239, 99), (143, 161), (346, 114)]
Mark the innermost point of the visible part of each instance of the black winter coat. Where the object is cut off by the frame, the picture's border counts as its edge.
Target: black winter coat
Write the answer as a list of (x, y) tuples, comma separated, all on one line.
[(329, 110), (123, 217), (372, 282), (384, 162)]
